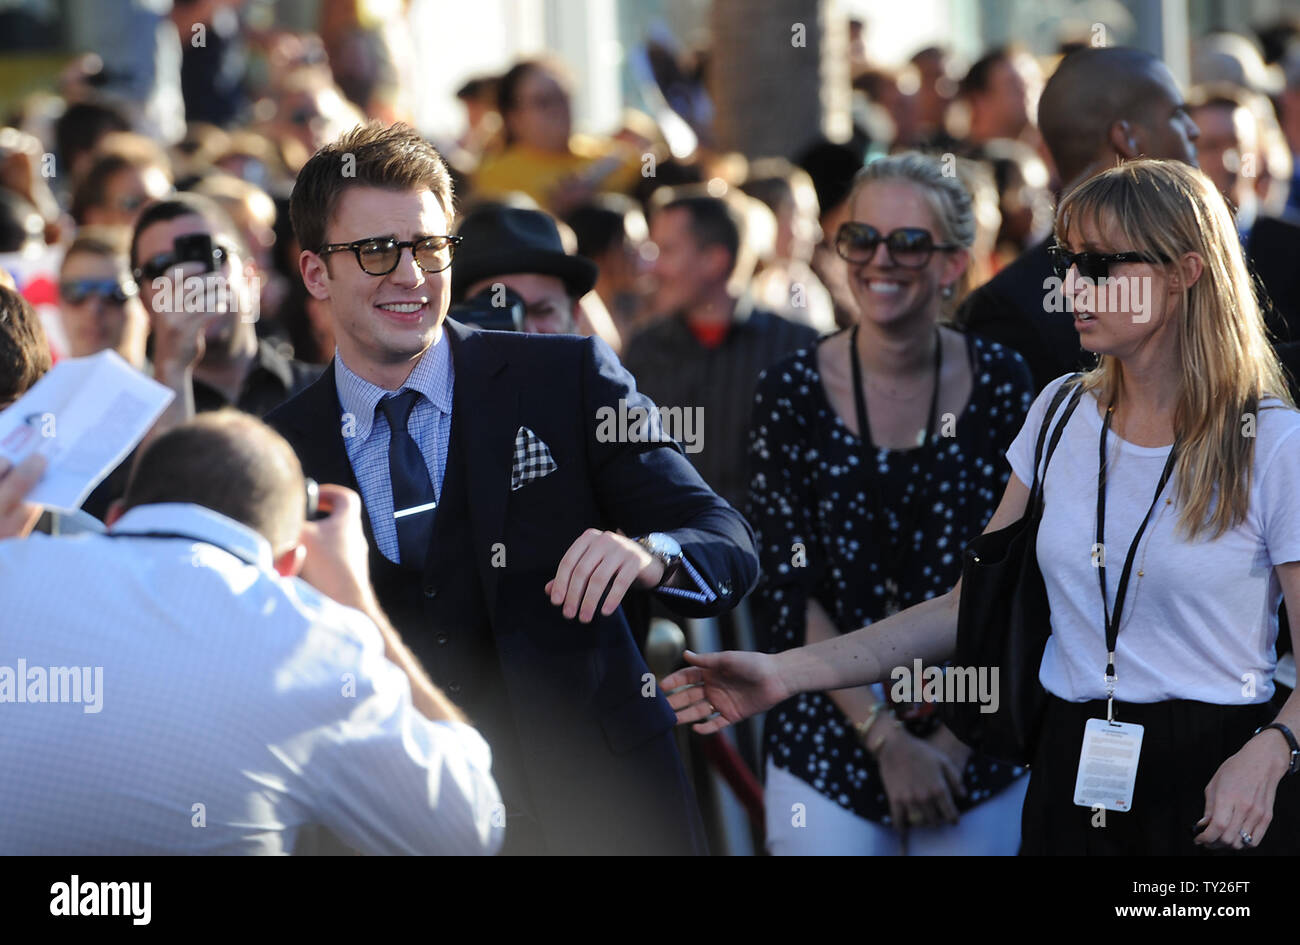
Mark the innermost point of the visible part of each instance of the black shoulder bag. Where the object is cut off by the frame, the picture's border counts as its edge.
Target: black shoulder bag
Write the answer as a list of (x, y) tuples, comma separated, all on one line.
[(1004, 619)]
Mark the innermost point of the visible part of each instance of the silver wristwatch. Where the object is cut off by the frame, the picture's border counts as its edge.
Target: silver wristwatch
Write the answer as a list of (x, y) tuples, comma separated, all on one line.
[(664, 547)]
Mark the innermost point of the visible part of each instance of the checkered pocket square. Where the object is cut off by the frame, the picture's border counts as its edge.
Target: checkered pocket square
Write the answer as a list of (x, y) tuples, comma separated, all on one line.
[(533, 459)]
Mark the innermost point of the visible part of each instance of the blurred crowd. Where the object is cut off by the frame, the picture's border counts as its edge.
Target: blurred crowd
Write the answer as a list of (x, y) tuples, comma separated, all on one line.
[(80, 162)]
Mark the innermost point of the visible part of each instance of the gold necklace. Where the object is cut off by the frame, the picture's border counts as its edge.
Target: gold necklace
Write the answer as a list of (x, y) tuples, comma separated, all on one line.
[(1147, 547)]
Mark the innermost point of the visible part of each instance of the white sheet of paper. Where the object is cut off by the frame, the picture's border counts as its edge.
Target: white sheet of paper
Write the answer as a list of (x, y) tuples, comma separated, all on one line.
[(1108, 765), (85, 415)]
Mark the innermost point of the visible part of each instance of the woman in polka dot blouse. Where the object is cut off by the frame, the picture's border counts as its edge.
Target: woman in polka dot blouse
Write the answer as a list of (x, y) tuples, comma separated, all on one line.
[(875, 456)]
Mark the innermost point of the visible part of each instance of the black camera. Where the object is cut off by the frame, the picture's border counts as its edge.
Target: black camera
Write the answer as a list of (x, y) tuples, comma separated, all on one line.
[(496, 308), (193, 247)]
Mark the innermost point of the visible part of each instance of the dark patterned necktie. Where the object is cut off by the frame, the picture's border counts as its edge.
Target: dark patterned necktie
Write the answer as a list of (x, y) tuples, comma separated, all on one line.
[(413, 497)]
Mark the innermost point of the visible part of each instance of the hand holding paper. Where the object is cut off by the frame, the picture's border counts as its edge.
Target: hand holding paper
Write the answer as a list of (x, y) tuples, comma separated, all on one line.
[(84, 417)]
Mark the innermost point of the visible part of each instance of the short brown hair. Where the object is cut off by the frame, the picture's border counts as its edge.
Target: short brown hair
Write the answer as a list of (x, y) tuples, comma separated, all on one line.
[(24, 351), (102, 240), (186, 204), (715, 221), (229, 462), (392, 157)]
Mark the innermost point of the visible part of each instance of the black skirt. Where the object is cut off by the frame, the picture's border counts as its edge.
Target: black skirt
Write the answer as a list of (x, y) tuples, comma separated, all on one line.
[(1183, 745)]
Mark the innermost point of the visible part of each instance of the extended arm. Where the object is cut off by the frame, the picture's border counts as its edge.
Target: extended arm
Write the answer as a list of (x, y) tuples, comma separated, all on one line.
[(737, 685)]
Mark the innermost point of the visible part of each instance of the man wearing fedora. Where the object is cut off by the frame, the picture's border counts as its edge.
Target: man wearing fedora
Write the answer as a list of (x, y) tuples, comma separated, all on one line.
[(522, 250), (505, 526)]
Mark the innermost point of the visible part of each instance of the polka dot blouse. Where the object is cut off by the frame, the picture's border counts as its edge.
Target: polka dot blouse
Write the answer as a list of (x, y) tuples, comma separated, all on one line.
[(816, 513)]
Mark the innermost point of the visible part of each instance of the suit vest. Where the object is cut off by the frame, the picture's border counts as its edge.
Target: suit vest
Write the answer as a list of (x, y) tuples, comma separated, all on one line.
[(442, 616)]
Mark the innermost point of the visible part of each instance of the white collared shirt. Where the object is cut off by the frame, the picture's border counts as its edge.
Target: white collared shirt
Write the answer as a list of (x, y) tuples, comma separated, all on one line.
[(175, 695)]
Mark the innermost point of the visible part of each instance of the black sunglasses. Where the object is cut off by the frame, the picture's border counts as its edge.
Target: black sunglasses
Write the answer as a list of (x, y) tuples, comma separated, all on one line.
[(1093, 265), (909, 246), (379, 255), (76, 291)]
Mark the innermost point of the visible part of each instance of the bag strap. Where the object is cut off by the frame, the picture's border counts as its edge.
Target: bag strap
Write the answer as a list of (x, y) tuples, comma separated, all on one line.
[(1068, 386)]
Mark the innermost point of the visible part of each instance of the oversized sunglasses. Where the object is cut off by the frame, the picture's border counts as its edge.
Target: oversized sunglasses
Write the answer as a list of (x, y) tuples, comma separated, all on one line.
[(76, 291), (1093, 265), (909, 246), (379, 255)]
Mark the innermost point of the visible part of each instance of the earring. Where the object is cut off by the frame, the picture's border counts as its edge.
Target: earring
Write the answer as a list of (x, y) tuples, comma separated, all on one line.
[(948, 291)]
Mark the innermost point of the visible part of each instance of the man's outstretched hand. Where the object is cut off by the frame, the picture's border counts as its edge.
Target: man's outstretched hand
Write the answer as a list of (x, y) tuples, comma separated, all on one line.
[(724, 688)]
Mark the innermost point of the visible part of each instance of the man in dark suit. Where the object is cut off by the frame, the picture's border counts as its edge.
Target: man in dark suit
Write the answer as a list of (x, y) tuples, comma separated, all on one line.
[(507, 520), (1101, 106)]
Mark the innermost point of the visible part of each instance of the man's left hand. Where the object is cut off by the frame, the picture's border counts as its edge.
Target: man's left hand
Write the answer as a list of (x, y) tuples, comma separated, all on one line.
[(596, 561)]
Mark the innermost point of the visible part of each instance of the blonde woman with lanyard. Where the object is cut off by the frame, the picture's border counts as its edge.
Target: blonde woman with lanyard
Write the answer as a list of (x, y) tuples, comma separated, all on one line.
[(1179, 468)]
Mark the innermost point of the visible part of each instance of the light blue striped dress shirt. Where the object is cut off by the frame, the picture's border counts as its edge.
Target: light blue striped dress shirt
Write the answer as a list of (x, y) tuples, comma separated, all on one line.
[(366, 433)]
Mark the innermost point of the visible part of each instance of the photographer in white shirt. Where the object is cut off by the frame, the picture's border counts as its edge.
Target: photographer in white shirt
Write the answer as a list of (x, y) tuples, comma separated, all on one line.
[(234, 704)]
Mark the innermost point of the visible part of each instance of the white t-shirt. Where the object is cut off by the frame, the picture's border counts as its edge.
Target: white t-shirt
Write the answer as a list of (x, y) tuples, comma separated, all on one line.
[(1201, 621)]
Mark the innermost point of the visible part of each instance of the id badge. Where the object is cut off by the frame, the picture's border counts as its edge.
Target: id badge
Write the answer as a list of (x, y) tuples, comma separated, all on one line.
[(1108, 765)]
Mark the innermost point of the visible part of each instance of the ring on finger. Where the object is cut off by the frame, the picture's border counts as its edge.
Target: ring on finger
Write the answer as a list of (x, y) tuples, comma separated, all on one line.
[(1246, 838)]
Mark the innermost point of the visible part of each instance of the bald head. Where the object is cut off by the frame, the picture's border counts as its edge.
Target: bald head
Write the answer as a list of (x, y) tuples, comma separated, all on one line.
[(231, 463), (1108, 104)]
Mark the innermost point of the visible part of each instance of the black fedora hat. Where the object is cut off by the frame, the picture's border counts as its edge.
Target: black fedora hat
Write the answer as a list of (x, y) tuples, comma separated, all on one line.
[(500, 240)]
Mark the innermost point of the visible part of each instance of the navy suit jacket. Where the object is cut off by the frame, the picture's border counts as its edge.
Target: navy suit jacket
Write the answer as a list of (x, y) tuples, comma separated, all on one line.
[(599, 754)]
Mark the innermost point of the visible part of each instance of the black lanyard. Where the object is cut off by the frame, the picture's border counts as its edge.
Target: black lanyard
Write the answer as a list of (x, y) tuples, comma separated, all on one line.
[(907, 528), (860, 397), (1121, 591)]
